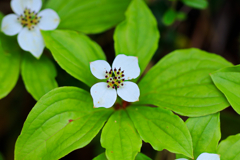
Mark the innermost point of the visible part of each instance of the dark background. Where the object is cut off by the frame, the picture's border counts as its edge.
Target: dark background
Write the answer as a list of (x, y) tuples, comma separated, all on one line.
[(215, 29)]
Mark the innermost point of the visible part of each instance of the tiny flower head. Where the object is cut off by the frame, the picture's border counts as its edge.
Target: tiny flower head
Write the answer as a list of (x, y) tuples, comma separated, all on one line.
[(124, 68), (205, 156), (27, 23)]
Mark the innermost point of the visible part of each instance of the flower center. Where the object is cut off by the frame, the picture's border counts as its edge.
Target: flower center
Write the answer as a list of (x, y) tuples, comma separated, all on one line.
[(115, 78), (29, 19)]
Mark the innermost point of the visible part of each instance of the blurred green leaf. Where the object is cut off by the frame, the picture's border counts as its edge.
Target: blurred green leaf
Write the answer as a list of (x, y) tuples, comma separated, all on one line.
[(199, 4), (1, 17), (139, 156), (38, 75), (162, 129), (89, 16), (169, 17), (138, 35), (181, 16), (74, 51), (120, 137), (205, 132), (228, 149), (227, 81), (62, 120), (180, 81), (1, 157), (10, 58)]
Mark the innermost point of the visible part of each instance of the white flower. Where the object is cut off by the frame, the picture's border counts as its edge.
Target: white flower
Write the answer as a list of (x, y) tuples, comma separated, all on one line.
[(205, 156), (28, 22), (124, 68)]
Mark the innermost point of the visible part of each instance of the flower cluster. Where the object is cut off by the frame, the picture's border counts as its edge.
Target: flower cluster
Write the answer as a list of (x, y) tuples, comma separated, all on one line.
[(28, 22), (124, 68)]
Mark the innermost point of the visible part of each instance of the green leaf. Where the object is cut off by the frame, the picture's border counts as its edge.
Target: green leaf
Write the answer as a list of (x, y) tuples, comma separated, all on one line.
[(169, 17), (162, 129), (229, 148), (138, 35), (120, 137), (74, 51), (1, 17), (10, 56), (89, 16), (205, 132), (139, 156), (227, 81), (199, 4), (62, 120), (181, 82), (101, 157), (181, 16), (38, 75)]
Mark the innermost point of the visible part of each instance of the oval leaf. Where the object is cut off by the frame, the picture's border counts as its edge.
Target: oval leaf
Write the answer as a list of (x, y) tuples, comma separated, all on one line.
[(120, 138), (89, 16), (62, 120), (169, 17), (199, 4), (181, 82), (227, 81), (10, 56), (74, 51), (205, 132), (38, 75), (162, 129), (138, 35), (229, 148)]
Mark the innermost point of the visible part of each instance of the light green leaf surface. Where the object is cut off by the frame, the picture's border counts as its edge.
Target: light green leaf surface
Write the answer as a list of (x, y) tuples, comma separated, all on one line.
[(227, 81), (228, 149), (205, 132), (169, 17), (138, 35), (101, 157), (10, 58), (162, 129), (38, 75), (139, 156), (74, 51), (62, 120), (120, 137), (180, 81), (199, 4), (89, 16)]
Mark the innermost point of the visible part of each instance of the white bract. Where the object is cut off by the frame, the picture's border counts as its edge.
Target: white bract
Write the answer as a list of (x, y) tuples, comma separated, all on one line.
[(124, 68), (28, 22), (205, 156)]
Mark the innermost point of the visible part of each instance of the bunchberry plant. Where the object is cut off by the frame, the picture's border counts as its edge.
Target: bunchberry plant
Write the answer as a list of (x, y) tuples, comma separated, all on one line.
[(28, 21), (124, 68), (65, 118)]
